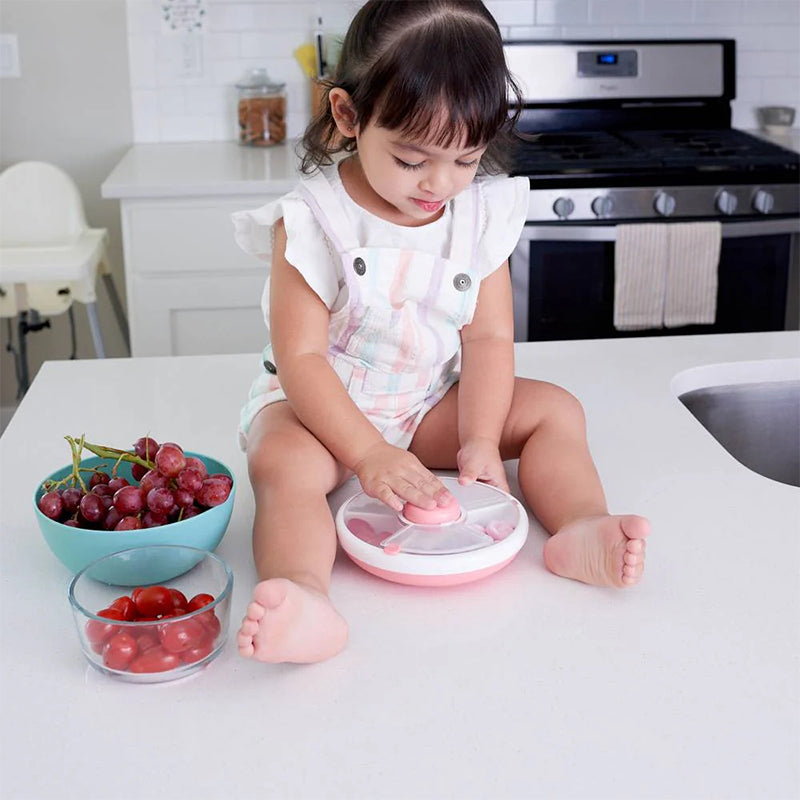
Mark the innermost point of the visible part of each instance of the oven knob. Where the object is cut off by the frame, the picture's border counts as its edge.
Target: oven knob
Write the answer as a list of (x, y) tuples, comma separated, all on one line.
[(664, 204), (726, 202), (602, 206), (763, 201), (563, 207)]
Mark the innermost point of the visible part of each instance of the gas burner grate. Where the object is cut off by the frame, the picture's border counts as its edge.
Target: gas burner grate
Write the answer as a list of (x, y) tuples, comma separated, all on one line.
[(710, 149), (579, 151)]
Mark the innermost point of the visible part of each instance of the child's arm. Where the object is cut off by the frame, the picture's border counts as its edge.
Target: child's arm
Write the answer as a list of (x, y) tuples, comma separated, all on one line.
[(487, 381), (299, 334)]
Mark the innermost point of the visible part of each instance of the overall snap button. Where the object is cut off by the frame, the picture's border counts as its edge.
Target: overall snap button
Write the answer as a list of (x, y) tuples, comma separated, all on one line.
[(462, 282), (359, 265), (270, 367)]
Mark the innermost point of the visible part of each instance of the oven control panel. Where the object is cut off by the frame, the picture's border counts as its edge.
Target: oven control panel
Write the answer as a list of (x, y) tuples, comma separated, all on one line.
[(607, 63), (678, 202)]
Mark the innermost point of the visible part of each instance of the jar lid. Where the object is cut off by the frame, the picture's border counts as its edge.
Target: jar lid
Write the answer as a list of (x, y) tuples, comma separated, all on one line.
[(257, 78)]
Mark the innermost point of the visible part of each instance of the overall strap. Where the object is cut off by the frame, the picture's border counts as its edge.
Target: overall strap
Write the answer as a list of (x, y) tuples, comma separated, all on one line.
[(329, 212), (466, 233)]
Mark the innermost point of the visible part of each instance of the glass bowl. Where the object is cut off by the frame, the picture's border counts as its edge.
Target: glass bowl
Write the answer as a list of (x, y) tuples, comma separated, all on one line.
[(78, 547), (159, 631)]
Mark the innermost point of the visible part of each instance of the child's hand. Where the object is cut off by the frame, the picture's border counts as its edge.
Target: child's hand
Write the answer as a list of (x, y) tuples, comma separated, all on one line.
[(394, 475), (479, 460)]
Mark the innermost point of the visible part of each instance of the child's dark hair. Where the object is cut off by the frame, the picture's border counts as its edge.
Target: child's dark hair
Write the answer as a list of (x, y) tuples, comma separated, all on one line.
[(403, 61)]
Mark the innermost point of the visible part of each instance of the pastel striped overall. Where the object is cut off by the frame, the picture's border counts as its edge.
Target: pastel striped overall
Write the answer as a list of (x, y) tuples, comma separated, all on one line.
[(395, 342)]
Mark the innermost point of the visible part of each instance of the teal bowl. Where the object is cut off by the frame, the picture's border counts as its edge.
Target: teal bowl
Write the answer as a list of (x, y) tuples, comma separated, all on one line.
[(76, 548)]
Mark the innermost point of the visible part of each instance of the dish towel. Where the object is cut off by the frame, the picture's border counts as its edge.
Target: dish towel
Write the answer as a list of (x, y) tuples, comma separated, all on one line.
[(692, 277), (640, 274), (666, 274)]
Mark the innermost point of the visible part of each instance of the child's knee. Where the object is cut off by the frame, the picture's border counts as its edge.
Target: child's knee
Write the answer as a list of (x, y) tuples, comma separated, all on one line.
[(285, 458)]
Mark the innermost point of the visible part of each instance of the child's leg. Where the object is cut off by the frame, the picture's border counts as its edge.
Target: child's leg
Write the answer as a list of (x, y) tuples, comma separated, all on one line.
[(546, 430), (294, 543)]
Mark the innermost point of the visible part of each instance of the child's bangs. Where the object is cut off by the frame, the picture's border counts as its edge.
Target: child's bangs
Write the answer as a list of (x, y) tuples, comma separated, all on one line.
[(441, 101)]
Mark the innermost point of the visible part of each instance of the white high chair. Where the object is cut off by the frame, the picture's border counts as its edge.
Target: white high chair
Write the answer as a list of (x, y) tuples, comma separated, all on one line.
[(49, 256)]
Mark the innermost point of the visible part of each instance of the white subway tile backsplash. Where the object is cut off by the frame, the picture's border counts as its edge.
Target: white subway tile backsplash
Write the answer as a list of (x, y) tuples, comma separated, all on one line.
[(727, 12), (562, 12), (512, 12), (238, 35), (771, 12), (523, 32), (667, 13), (611, 12)]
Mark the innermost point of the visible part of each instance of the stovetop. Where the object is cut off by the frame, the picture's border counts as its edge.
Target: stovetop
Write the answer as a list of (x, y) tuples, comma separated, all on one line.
[(639, 157)]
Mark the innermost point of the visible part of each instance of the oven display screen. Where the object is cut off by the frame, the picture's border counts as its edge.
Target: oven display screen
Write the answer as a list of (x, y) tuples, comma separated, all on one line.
[(607, 58)]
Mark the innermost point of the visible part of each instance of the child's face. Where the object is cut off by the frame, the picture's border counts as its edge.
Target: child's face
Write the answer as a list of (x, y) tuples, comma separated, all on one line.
[(416, 178)]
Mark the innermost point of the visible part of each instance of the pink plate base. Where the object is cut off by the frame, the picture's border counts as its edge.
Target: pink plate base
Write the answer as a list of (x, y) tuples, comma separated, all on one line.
[(432, 580)]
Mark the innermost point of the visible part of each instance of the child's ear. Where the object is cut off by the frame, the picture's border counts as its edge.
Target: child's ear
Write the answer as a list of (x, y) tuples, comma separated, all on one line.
[(343, 112)]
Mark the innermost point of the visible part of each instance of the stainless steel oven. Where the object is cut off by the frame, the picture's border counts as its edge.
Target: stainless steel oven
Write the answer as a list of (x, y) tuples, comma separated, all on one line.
[(624, 132)]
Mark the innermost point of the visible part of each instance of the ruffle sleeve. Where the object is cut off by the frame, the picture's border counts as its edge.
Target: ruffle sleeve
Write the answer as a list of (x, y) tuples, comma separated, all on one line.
[(307, 248), (504, 209)]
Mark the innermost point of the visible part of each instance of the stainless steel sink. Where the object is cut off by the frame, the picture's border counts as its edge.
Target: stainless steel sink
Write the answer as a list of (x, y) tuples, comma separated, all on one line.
[(757, 422)]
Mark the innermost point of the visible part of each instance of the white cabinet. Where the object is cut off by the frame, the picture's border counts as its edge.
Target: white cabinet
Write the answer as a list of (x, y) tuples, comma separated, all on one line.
[(191, 289)]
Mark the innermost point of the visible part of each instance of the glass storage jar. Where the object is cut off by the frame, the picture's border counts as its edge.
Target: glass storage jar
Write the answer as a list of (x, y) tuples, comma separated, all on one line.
[(262, 109)]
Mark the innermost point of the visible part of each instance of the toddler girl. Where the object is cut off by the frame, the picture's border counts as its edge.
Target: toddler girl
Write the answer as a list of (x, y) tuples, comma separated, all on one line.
[(390, 325)]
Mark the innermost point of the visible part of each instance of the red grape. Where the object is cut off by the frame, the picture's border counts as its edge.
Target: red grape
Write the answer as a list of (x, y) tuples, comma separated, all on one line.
[(160, 501), (72, 523), (91, 507), (151, 520), (145, 448), (223, 477), (183, 498), (129, 524), (113, 518), (138, 471), (98, 477), (170, 459), (71, 498), (51, 504), (153, 479), (213, 492), (129, 500), (192, 462), (190, 480), (191, 511), (118, 483)]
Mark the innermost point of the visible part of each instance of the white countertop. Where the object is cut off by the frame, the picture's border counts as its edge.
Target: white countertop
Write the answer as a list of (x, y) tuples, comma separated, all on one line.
[(223, 168), (202, 168), (523, 685)]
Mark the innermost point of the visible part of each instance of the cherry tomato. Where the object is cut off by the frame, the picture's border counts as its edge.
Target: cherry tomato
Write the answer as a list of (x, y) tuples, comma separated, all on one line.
[(97, 632), (210, 622), (126, 607), (156, 659), (144, 641), (199, 600), (195, 654), (153, 601), (119, 651), (178, 598), (183, 634)]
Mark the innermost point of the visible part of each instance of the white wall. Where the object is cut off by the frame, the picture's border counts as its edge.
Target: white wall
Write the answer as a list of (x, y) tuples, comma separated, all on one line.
[(70, 106), (239, 34)]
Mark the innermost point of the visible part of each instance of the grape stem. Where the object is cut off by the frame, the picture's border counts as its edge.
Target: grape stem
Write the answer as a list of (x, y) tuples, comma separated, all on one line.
[(77, 446)]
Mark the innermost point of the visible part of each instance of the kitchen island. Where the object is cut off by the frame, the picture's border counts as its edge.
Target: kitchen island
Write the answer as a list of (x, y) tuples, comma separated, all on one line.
[(523, 685)]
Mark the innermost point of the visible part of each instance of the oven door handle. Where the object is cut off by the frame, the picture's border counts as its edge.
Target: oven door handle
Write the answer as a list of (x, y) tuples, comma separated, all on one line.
[(608, 233)]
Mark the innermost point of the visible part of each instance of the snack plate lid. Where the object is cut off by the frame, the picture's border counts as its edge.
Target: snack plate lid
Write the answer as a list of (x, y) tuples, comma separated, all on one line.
[(487, 517)]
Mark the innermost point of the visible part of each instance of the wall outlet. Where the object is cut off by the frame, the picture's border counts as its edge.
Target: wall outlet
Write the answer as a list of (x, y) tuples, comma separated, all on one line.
[(9, 56), (191, 56)]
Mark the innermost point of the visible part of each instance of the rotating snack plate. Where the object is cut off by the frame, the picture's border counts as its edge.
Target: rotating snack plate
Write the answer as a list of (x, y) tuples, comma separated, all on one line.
[(477, 535)]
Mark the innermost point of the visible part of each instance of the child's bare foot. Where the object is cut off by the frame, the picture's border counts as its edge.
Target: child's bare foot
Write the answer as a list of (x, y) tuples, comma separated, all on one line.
[(603, 551), (290, 622)]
